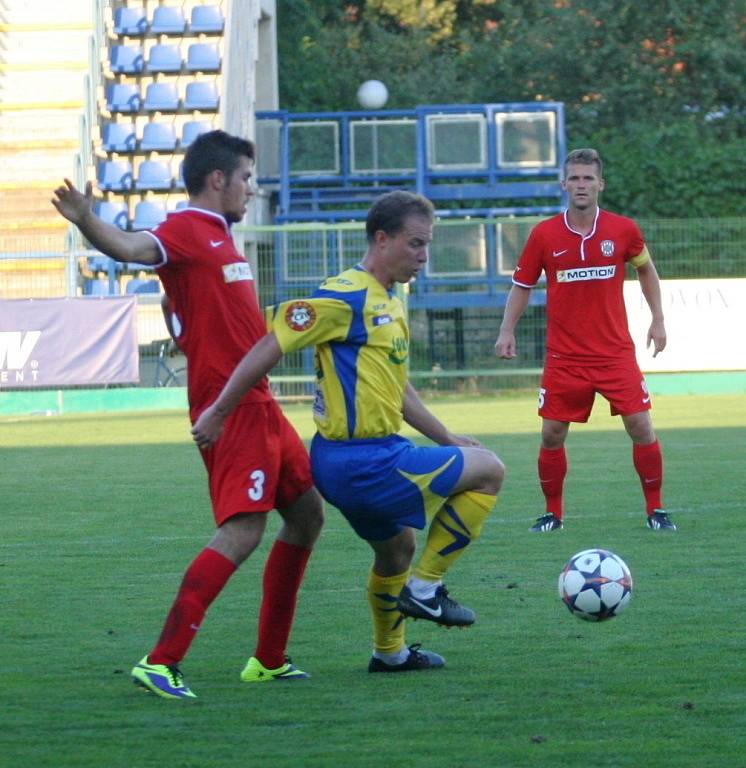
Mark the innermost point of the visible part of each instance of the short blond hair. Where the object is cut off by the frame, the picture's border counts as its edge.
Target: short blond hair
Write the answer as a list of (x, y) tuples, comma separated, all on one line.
[(586, 156)]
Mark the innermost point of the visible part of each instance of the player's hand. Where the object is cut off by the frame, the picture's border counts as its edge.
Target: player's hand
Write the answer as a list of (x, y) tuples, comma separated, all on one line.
[(657, 337), (207, 428), (71, 203), (465, 441), (505, 345)]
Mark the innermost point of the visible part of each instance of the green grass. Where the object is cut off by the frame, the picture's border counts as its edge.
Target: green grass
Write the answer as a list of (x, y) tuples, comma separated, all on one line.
[(101, 514)]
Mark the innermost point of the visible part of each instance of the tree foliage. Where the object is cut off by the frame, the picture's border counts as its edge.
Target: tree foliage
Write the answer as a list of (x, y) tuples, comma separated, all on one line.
[(653, 85)]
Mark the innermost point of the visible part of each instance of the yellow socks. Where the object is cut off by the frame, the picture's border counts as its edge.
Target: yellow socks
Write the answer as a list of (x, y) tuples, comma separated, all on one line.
[(456, 524), (388, 623)]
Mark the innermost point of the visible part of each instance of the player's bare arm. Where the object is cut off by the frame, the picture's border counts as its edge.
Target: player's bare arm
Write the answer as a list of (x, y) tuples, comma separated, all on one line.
[(651, 289), (258, 362), (505, 346), (77, 208), (418, 417)]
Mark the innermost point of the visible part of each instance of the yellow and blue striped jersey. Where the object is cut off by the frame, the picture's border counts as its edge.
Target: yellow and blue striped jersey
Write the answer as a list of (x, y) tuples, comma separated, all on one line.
[(362, 345)]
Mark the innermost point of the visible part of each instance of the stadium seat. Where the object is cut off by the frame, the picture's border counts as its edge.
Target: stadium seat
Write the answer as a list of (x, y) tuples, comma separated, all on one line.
[(118, 137), (207, 19), (158, 137), (180, 176), (138, 285), (164, 58), (203, 57), (148, 214), (202, 95), (193, 128), (101, 263), (123, 97), (182, 204), (97, 287), (168, 20), (114, 176), (161, 97), (130, 21), (112, 213), (154, 175), (126, 59)]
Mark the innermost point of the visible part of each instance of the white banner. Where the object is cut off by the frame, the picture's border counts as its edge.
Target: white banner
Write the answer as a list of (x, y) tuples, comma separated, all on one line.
[(68, 342), (705, 324)]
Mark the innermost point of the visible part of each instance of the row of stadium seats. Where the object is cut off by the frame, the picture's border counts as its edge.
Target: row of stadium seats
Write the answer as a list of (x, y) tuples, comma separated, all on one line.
[(152, 176), (168, 20), (199, 96), (148, 213), (100, 286), (156, 136), (167, 58)]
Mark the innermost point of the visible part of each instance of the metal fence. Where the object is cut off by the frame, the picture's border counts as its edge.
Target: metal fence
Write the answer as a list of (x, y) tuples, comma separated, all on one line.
[(455, 307)]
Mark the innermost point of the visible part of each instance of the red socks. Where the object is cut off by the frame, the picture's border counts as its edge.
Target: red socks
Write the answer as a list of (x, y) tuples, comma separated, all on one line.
[(552, 470), (283, 574), (648, 461), (202, 583)]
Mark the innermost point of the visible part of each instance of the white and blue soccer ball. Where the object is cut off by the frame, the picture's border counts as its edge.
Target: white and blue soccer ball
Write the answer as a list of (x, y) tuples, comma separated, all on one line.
[(595, 585)]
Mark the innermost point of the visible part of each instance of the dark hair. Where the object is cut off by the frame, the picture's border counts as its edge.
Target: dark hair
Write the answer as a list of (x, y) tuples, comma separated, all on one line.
[(586, 156), (389, 212), (213, 151)]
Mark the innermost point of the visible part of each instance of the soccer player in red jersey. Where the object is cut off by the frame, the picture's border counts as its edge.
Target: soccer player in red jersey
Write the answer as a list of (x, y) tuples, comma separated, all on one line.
[(583, 253), (263, 464)]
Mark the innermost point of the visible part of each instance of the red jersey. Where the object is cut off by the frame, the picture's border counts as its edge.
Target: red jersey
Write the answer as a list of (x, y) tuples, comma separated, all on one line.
[(211, 289), (586, 318)]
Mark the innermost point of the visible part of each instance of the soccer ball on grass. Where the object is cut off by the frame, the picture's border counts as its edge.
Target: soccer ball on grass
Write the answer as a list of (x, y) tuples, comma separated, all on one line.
[(595, 585)]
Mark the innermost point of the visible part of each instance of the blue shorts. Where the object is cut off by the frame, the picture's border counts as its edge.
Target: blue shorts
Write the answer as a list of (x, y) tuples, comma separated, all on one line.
[(383, 485)]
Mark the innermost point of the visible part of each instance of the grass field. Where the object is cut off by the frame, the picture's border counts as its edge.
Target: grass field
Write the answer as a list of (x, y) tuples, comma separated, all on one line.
[(101, 514)]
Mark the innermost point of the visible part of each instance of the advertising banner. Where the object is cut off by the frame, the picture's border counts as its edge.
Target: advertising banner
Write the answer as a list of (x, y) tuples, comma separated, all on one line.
[(705, 325), (68, 342)]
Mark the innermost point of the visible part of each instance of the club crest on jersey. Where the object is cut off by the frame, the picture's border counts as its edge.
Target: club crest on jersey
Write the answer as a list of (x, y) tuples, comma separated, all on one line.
[(607, 248), (300, 316)]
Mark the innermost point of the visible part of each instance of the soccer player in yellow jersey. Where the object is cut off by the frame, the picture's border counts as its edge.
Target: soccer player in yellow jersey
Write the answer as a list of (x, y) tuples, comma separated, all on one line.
[(382, 483)]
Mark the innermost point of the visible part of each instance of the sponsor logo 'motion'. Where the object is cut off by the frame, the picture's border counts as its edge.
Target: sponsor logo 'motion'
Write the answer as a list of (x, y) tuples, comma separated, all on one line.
[(16, 348), (585, 273)]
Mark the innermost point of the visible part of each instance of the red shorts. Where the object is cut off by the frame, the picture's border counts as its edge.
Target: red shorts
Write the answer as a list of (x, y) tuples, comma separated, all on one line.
[(258, 464), (567, 391)]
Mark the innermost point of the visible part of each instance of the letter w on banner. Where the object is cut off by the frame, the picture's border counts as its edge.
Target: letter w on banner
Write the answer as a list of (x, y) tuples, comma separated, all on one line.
[(68, 342)]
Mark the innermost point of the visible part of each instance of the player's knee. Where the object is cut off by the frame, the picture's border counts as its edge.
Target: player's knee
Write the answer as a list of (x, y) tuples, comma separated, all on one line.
[(495, 473)]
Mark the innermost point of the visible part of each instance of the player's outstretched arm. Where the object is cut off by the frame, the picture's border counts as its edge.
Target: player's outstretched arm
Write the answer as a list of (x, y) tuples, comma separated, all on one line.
[(77, 208), (516, 304), (257, 362), (650, 285), (418, 417)]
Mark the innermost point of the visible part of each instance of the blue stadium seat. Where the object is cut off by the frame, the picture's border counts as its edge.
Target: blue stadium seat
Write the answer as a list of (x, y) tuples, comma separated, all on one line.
[(164, 57), (138, 285), (154, 175), (112, 213), (158, 137), (148, 214), (126, 59), (193, 128), (118, 137), (206, 18), (161, 97), (97, 287), (203, 57), (130, 21), (123, 97), (101, 263), (180, 176), (201, 95), (168, 20), (114, 175), (182, 204)]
